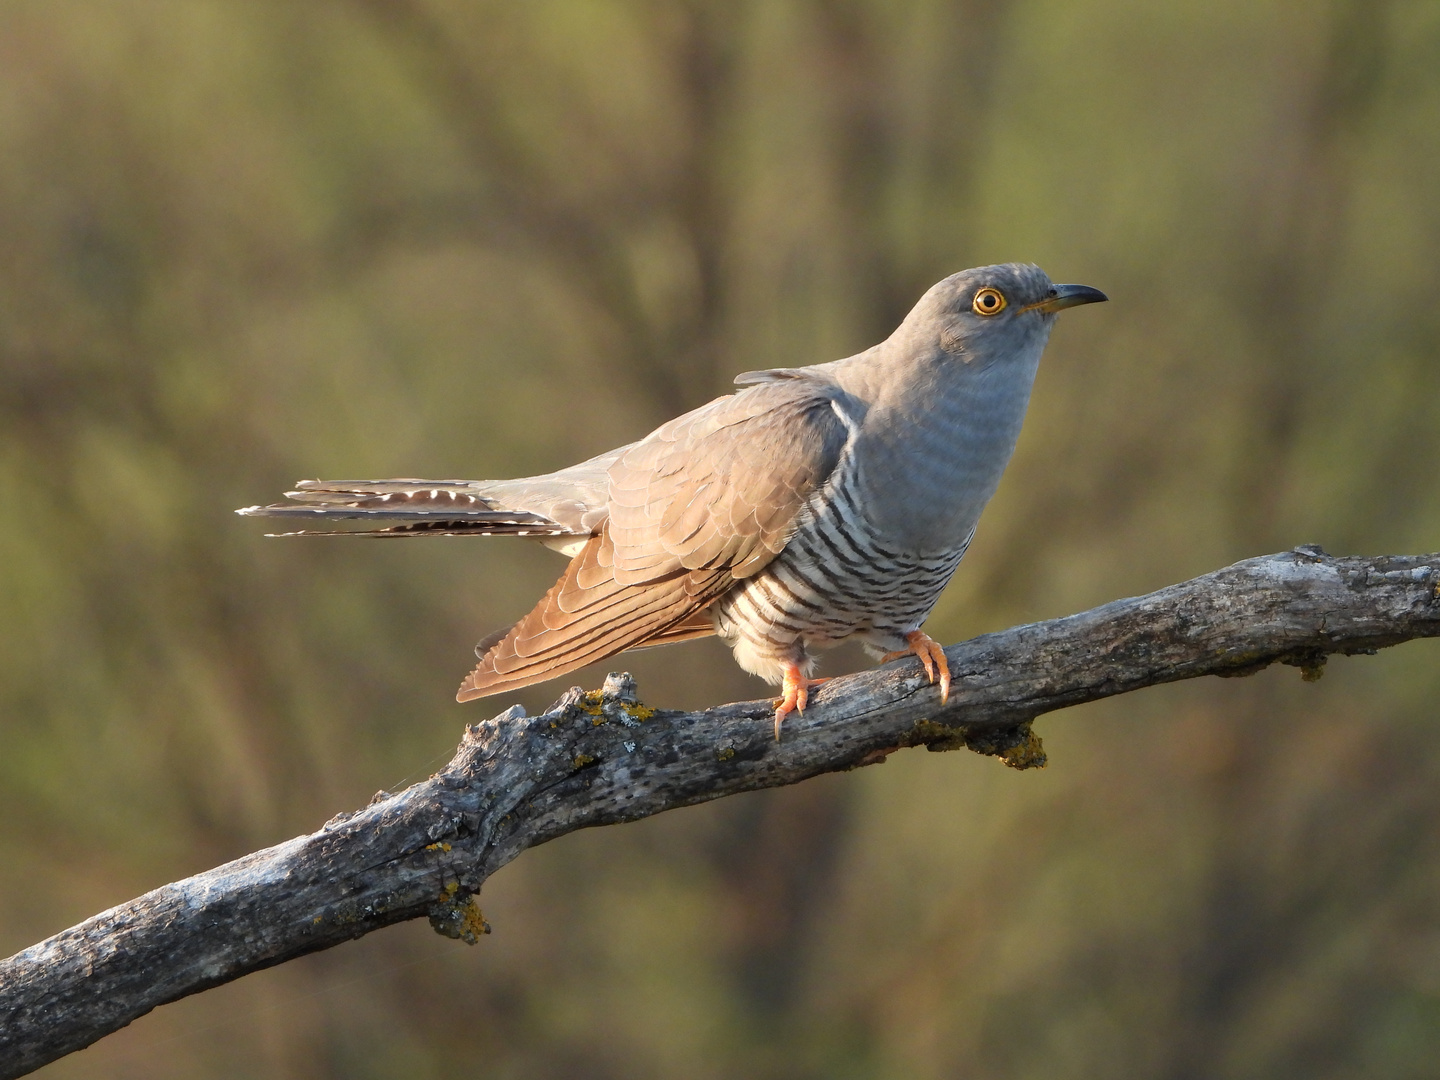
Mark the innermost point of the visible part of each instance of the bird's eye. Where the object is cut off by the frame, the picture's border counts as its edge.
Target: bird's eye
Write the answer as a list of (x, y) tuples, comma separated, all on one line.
[(988, 302)]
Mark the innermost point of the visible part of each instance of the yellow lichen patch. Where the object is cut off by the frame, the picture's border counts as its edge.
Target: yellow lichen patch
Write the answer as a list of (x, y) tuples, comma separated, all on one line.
[(1018, 747), (593, 704), (346, 912), (725, 753), (1026, 754), (581, 760), (938, 737), (1311, 663), (442, 846), (459, 919), (473, 921), (1241, 663)]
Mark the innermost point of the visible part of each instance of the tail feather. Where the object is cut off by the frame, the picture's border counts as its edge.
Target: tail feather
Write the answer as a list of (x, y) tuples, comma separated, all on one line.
[(425, 508)]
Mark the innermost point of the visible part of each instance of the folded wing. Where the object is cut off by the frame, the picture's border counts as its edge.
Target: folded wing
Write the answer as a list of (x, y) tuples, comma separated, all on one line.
[(706, 500)]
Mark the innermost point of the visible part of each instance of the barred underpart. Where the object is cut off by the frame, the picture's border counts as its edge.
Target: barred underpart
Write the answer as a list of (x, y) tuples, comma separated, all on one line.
[(836, 579)]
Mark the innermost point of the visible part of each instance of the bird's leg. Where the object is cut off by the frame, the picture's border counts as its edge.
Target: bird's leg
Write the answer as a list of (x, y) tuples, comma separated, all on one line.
[(794, 692), (931, 655)]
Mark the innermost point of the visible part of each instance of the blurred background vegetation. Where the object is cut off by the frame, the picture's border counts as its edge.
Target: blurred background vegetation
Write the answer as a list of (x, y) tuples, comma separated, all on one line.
[(246, 241)]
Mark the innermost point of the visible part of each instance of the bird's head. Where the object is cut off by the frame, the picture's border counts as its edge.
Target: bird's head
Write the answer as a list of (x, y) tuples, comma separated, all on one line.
[(984, 315)]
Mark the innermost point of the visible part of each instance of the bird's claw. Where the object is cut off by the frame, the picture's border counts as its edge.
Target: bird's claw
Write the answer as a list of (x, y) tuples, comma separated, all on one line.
[(932, 658), (795, 694)]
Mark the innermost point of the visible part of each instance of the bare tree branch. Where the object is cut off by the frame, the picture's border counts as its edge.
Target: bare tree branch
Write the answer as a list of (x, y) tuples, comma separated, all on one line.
[(600, 758)]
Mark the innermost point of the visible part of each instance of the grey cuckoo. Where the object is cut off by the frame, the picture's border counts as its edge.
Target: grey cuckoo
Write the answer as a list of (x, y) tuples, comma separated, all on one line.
[(812, 506)]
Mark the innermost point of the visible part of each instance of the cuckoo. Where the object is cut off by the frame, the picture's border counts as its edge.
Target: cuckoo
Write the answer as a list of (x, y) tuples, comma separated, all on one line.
[(813, 506)]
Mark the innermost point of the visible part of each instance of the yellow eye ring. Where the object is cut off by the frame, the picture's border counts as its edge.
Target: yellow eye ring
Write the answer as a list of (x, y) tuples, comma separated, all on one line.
[(988, 302)]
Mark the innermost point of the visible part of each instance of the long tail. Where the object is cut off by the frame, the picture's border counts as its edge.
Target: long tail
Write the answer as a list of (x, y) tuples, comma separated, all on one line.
[(423, 508)]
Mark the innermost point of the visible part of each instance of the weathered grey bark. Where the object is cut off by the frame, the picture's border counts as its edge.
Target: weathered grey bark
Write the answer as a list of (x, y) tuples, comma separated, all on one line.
[(599, 758)]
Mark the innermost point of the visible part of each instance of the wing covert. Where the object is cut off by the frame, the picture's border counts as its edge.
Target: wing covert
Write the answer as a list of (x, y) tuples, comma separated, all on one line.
[(721, 488)]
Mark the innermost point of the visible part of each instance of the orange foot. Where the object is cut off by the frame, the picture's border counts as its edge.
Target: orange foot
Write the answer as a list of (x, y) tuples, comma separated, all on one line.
[(930, 654), (795, 694)]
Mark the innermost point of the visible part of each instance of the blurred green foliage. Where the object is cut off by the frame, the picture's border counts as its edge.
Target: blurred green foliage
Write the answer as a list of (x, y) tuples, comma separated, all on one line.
[(245, 241)]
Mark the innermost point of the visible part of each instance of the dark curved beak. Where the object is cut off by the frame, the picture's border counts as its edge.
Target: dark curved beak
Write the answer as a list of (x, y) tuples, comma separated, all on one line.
[(1067, 296)]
